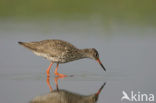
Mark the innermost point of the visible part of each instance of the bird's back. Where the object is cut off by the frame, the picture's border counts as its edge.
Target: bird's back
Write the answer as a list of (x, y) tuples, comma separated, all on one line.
[(63, 96), (54, 50)]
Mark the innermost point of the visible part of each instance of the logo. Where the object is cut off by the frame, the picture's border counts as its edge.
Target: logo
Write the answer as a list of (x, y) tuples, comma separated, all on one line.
[(137, 96)]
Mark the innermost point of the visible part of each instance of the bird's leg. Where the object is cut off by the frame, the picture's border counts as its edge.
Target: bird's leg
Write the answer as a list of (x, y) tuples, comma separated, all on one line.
[(48, 83), (58, 74), (48, 70)]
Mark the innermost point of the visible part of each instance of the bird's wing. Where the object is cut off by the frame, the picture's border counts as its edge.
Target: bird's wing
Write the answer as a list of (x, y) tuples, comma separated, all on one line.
[(53, 47)]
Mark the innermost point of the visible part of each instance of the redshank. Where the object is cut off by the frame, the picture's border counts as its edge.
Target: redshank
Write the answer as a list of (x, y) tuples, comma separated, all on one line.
[(64, 96), (59, 51)]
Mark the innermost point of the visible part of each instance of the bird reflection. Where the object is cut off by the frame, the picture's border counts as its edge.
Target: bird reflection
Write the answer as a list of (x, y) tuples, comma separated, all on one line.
[(64, 96)]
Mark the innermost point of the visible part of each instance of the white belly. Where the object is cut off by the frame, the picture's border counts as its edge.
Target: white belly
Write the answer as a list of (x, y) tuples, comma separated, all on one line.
[(52, 59)]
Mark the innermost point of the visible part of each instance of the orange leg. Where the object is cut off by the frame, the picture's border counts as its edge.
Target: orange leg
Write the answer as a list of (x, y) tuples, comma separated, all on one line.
[(48, 83), (58, 74), (56, 81), (48, 70)]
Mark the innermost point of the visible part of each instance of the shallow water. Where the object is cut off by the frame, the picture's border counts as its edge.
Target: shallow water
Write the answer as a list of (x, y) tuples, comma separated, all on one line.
[(129, 60)]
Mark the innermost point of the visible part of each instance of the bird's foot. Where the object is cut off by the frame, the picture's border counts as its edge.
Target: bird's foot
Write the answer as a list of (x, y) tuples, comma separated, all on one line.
[(60, 75)]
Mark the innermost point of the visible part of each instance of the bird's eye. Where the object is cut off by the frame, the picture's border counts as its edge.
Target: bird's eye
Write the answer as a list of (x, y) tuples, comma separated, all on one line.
[(97, 55)]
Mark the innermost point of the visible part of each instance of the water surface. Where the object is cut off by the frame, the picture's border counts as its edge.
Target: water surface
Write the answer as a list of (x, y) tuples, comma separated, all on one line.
[(128, 56)]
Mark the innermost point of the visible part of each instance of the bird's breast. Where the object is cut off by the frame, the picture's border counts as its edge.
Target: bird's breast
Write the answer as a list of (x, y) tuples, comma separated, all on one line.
[(63, 57)]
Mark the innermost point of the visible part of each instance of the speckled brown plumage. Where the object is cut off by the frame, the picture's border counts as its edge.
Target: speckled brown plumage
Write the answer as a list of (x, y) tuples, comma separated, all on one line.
[(59, 51), (64, 96)]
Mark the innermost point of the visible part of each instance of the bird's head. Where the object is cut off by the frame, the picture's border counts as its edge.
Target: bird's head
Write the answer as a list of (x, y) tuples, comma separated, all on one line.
[(93, 98), (93, 54)]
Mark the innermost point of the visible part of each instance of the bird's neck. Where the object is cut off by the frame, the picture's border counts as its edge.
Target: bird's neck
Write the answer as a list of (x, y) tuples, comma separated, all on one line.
[(90, 99), (85, 52)]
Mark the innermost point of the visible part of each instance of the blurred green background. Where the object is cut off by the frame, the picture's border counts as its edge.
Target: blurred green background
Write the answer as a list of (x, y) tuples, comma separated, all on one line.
[(143, 11), (105, 16)]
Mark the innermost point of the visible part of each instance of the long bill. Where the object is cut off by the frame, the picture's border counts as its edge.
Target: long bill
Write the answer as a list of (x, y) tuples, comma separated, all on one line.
[(98, 60), (99, 91)]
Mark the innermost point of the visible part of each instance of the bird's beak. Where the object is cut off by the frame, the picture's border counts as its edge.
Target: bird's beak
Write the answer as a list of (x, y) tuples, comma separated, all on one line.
[(99, 91), (98, 60)]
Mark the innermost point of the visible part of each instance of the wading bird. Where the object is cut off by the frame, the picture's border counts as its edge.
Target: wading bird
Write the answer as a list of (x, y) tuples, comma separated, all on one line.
[(59, 51)]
